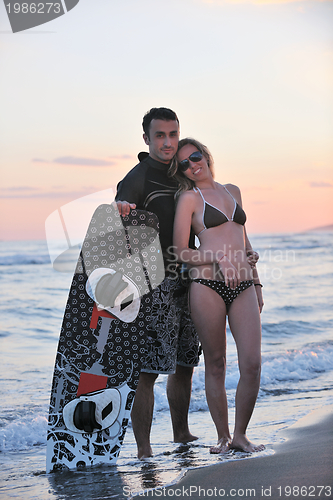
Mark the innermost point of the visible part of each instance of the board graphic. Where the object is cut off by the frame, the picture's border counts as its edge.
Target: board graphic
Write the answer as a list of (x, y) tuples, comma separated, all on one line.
[(102, 338)]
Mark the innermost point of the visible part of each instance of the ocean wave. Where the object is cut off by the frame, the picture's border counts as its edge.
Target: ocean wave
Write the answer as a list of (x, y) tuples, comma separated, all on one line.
[(288, 327), (292, 242), (297, 364), (292, 366), (23, 433), (24, 259)]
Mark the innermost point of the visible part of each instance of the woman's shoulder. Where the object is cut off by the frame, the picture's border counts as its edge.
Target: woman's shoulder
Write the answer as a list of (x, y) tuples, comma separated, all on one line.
[(188, 195), (232, 187), (234, 190), (188, 198)]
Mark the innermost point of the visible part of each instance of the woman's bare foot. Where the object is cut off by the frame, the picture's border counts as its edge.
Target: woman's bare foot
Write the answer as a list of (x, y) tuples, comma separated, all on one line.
[(223, 446), (243, 444)]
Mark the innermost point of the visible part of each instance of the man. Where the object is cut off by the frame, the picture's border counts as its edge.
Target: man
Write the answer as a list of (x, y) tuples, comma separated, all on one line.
[(174, 350)]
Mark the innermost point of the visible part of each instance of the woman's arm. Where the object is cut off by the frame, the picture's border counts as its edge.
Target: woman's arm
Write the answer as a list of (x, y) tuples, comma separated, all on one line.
[(252, 258), (259, 296)]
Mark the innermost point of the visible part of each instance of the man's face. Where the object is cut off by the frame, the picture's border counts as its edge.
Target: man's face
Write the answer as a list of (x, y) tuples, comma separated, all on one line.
[(163, 140)]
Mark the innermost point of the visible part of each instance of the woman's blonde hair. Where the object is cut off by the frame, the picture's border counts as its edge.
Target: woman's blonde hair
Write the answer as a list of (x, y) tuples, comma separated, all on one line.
[(186, 184)]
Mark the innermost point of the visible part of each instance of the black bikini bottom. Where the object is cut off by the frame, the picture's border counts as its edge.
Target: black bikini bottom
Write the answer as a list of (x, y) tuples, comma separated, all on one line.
[(227, 293)]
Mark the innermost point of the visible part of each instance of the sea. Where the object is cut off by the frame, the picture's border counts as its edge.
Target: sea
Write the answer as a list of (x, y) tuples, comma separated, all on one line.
[(297, 371)]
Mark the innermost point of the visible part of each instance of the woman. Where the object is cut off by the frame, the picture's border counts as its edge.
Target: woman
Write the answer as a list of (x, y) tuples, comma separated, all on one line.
[(224, 281)]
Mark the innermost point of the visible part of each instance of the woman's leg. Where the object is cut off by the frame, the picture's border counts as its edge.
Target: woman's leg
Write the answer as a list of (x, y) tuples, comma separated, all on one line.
[(244, 321), (209, 317)]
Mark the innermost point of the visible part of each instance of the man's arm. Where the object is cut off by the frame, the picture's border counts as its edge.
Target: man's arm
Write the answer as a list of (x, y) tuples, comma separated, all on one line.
[(130, 191)]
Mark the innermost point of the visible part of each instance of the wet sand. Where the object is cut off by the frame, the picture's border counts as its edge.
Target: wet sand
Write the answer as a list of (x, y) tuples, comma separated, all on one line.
[(301, 467)]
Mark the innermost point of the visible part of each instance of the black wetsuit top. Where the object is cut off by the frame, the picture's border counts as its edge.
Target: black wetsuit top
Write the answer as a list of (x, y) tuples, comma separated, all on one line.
[(150, 188)]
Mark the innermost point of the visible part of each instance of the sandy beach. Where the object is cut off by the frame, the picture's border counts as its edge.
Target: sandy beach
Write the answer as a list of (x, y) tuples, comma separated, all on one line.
[(301, 467)]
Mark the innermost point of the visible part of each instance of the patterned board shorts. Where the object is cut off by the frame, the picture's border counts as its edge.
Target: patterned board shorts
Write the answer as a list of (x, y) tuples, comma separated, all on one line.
[(173, 338)]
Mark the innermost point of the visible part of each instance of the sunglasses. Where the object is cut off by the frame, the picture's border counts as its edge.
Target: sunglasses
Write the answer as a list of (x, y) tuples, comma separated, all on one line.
[(194, 157)]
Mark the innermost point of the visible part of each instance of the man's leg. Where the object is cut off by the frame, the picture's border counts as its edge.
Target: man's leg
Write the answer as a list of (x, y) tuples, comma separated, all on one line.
[(142, 413), (179, 387)]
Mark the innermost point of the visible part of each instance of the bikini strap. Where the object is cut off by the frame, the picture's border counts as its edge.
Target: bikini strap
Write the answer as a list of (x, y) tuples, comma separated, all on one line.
[(227, 190), (203, 211), (233, 214), (198, 190)]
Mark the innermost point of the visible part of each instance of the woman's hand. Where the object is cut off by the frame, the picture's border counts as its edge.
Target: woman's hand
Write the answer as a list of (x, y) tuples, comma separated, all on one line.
[(252, 257), (259, 297), (230, 273)]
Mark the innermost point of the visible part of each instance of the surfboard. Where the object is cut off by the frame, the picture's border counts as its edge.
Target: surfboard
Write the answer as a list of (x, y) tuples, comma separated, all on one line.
[(102, 339)]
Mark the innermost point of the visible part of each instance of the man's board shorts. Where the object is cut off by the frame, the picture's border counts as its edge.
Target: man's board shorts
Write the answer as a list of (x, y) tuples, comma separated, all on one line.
[(173, 339)]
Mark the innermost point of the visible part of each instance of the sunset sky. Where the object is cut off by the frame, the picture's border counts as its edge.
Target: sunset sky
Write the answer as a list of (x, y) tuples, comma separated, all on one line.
[(253, 80)]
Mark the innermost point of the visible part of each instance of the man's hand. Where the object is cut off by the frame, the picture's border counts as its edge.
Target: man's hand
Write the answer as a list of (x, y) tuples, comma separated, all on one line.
[(124, 207), (252, 257), (230, 273)]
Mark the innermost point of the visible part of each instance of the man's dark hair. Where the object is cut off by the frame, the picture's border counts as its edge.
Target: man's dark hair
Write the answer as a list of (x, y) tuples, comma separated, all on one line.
[(157, 114)]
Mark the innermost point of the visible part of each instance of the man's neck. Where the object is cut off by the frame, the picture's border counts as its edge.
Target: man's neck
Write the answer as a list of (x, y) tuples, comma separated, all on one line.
[(166, 164)]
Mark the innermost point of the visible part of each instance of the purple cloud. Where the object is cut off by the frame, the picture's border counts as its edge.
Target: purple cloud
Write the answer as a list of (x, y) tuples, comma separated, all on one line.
[(57, 192), (321, 184), (86, 162), (122, 157), (18, 188)]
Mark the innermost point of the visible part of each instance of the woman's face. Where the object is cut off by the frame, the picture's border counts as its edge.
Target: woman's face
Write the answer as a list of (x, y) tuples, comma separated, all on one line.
[(196, 169)]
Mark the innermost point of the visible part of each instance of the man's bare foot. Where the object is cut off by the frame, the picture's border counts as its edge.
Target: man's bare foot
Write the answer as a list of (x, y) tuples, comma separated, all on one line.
[(145, 453), (223, 446), (186, 438), (243, 444)]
